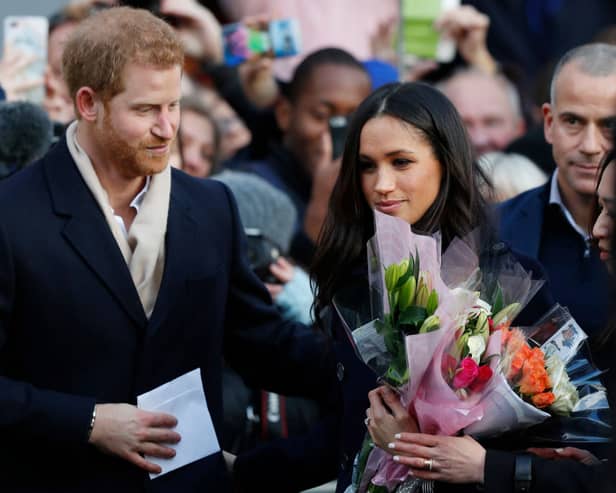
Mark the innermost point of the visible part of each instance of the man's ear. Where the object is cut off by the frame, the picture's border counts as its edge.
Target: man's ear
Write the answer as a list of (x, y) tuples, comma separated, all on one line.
[(87, 104), (548, 121), (282, 110)]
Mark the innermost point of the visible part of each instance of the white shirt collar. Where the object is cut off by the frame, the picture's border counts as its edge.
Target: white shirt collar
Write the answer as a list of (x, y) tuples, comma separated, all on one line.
[(135, 204), (556, 198), (137, 201)]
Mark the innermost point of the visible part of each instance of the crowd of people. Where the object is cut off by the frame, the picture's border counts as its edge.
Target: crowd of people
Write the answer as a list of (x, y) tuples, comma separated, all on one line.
[(164, 211)]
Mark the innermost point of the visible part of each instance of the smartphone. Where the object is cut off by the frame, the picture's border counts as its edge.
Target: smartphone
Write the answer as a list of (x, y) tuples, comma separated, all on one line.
[(338, 129), (28, 35), (418, 35), (261, 252), (279, 38)]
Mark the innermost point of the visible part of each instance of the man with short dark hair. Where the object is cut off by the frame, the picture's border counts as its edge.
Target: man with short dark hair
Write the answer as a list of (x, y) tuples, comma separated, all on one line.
[(119, 274), (329, 82)]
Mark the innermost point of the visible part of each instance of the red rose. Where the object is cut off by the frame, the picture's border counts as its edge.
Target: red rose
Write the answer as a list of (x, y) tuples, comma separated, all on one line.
[(466, 373)]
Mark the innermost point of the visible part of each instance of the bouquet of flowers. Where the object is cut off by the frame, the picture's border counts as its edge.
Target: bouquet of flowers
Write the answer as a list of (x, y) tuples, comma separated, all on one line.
[(440, 336), (441, 342), (544, 374), (410, 308), (549, 366)]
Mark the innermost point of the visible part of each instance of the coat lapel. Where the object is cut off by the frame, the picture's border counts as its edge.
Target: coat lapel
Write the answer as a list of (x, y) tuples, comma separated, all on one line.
[(180, 244), (86, 230), (525, 228)]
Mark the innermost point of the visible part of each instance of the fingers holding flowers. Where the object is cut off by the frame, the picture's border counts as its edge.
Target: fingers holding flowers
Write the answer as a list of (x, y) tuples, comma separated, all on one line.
[(387, 417), (440, 458)]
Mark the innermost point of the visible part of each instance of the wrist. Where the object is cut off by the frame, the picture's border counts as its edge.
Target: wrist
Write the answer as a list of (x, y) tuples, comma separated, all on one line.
[(480, 479), (91, 426), (485, 62)]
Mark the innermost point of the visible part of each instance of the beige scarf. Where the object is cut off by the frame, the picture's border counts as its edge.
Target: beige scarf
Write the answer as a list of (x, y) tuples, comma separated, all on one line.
[(144, 250)]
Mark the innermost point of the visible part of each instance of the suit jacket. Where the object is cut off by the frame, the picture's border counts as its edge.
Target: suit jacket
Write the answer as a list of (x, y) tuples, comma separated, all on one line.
[(578, 278), (73, 332)]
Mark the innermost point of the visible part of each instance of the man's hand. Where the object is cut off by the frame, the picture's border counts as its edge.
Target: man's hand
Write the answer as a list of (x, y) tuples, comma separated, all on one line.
[(128, 432)]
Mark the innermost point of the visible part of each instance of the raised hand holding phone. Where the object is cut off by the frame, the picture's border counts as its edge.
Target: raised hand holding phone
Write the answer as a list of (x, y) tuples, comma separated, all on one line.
[(247, 40), (419, 36), (24, 62)]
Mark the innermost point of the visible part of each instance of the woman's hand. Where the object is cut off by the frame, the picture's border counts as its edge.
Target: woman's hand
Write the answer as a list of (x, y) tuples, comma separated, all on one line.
[(387, 417), (441, 458)]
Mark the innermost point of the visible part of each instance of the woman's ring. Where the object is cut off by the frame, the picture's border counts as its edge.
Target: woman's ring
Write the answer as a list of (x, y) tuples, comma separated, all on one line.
[(428, 464), (367, 421)]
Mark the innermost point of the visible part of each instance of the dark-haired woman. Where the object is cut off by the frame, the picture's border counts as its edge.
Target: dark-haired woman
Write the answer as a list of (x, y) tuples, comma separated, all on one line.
[(464, 461), (407, 155)]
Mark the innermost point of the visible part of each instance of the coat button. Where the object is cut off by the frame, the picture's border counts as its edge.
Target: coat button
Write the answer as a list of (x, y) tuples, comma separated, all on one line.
[(340, 371)]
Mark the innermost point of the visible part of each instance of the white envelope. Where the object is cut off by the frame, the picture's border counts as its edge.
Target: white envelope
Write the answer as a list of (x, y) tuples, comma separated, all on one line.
[(183, 398)]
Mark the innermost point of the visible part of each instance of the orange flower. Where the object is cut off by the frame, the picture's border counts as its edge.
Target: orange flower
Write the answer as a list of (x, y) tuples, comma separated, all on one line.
[(518, 360), (535, 378), (543, 399)]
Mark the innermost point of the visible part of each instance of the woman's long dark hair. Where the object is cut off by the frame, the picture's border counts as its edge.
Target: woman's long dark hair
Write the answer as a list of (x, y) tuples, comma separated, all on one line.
[(607, 334), (457, 210)]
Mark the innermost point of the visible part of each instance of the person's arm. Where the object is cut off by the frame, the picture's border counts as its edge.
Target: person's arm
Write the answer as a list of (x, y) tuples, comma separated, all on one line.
[(469, 29), (564, 476), (32, 414), (11, 64), (464, 460), (292, 464), (284, 357)]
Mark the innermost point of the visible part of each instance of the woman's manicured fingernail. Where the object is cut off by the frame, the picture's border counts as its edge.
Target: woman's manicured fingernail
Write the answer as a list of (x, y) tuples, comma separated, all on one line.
[(559, 450), (391, 445), (398, 436), (396, 458)]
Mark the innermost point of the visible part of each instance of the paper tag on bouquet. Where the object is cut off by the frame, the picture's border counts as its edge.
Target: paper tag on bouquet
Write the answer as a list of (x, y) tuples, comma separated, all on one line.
[(566, 341)]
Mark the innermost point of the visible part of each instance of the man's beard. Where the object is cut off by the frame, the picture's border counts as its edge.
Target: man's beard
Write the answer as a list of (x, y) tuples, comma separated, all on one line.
[(133, 160)]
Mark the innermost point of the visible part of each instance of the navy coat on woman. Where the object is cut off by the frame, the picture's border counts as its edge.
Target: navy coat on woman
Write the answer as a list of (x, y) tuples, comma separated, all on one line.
[(73, 332)]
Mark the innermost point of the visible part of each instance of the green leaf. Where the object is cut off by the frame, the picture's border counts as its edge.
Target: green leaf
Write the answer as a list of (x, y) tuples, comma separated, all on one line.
[(498, 302), (364, 453), (381, 326), (416, 272), (392, 341), (432, 303), (406, 276), (413, 315)]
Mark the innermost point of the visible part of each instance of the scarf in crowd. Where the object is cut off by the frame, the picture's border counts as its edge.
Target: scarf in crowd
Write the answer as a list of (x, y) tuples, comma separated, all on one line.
[(144, 248)]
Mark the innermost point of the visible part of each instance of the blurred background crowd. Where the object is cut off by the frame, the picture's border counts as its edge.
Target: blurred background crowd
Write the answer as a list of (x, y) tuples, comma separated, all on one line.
[(271, 128)]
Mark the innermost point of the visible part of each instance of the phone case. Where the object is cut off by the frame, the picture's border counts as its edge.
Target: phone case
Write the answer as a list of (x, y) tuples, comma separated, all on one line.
[(285, 37), (419, 36), (242, 43), (28, 35)]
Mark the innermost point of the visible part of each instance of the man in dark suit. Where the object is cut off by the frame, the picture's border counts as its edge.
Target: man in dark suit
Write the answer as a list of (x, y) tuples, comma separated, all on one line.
[(117, 275), (552, 223)]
